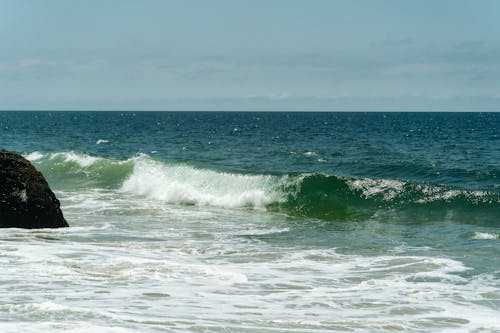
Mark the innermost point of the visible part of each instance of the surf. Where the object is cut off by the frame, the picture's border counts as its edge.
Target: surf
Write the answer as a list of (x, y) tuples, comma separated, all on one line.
[(315, 195)]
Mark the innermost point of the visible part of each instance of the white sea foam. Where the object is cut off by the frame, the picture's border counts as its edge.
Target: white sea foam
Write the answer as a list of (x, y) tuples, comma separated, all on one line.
[(98, 142), (29, 307), (392, 188), (34, 156), (182, 184), (485, 235), (83, 160), (310, 154), (58, 326), (388, 187), (207, 278), (264, 231)]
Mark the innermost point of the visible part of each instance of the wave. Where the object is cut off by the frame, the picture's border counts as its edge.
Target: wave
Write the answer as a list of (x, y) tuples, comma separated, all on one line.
[(183, 184), (78, 170), (339, 198), (314, 195)]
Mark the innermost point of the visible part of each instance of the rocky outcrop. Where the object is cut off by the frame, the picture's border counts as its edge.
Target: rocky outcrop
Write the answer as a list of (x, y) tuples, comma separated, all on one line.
[(26, 201)]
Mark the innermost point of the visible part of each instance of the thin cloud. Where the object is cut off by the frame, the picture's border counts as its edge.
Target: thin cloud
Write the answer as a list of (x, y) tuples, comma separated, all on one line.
[(389, 42), (471, 45)]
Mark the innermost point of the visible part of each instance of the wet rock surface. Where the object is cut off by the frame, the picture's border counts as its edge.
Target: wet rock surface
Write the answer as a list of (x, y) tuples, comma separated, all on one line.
[(26, 201)]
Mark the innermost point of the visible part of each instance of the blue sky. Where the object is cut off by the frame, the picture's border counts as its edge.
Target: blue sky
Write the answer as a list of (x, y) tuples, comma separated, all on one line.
[(250, 55)]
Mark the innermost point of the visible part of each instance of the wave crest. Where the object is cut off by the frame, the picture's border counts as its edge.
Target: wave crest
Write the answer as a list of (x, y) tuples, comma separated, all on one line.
[(312, 195), (70, 170), (183, 184)]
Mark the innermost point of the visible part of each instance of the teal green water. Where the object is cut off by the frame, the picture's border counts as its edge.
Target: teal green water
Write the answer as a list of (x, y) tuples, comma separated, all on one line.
[(258, 222)]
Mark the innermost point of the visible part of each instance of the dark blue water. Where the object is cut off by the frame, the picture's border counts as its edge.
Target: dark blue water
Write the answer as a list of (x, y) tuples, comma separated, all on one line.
[(459, 149), (387, 220)]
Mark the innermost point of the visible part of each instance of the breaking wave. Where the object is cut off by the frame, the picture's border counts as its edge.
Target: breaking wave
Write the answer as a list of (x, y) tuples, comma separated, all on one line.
[(315, 195), (183, 184)]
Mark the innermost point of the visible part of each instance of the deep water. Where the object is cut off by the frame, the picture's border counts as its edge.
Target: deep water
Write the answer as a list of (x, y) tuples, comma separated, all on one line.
[(258, 222)]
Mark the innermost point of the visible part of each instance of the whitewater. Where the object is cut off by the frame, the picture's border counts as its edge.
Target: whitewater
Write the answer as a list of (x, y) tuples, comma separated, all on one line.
[(300, 222)]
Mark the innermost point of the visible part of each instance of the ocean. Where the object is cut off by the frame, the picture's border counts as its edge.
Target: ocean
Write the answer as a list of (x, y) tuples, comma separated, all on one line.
[(258, 222)]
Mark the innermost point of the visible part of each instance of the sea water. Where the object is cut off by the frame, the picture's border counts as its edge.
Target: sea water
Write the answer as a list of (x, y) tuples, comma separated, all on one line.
[(257, 222)]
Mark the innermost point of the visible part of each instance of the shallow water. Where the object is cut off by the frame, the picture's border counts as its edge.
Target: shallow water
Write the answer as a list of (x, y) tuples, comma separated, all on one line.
[(255, 222)]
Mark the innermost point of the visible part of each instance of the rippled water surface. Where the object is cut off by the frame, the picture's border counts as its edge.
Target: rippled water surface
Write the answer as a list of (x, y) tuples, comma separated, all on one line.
[(257, 222)]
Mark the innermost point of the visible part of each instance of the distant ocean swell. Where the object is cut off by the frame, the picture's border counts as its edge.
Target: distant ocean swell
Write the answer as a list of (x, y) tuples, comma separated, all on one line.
[(315, 195)]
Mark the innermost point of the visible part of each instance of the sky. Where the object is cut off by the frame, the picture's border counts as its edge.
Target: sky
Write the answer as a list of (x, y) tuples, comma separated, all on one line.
[(263, 55)]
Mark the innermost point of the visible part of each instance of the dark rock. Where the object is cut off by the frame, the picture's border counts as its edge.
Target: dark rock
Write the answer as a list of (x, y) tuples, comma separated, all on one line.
[(26, 201)]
